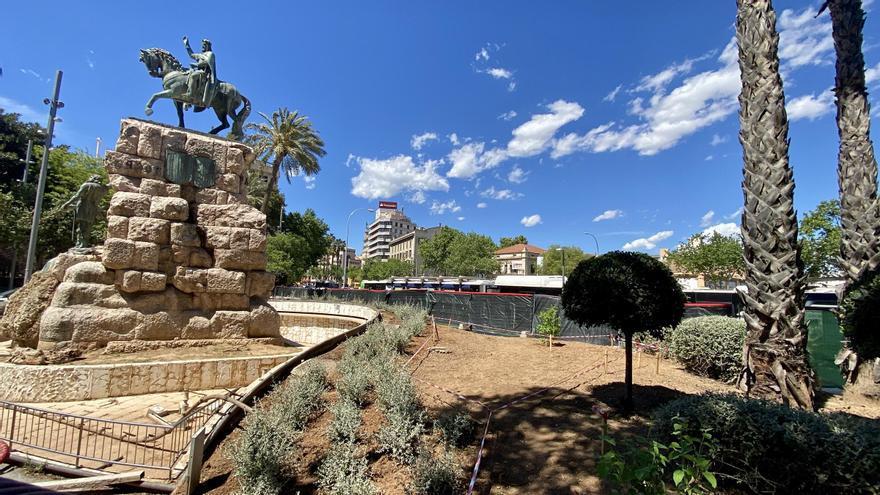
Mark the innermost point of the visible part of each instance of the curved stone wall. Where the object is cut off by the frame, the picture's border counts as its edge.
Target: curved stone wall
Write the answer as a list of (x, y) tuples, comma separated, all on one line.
[(57, 383)]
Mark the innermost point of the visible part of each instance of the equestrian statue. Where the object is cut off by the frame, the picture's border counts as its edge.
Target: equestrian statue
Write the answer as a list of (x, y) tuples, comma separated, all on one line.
[(197, 87)]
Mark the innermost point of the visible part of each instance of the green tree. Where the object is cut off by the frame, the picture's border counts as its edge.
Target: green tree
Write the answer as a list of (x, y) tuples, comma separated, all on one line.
[(717, 257), (304, 239), (287, 141), (14, 136), (549, 324), (452, 252), (775, 355), (552, 264), (631, 292), (820, 240), (512, 241), (380, 270)]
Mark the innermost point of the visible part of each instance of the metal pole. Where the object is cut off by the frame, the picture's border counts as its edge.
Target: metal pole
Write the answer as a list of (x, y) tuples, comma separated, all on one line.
[(97, 147), (27, 161), (595, 239), (54, 104)]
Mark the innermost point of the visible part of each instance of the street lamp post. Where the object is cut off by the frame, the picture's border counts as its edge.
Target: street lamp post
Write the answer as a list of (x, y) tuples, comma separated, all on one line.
[(345, 248), (595, 239), (54, 105)]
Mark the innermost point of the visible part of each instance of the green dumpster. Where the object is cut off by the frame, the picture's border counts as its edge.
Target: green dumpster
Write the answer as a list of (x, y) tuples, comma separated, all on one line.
[(823, 345)]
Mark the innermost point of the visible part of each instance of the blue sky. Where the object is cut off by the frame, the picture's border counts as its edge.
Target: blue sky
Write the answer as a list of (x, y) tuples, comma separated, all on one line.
[(497, 117)]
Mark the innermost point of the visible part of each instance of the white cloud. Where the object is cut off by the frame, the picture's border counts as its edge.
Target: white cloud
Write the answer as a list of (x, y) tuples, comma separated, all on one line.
[(659, 81), (483, 55), (707, 218), (810, 106), (500, 194), (27, 113), (613, 94), (517, 175), (716, 140), (725, 229), (534, 136), (511, 86), (531, 221), (699, 101), (385, 178), (499, 73), (453, 138), (608, 215), (508, 115), (466, 161), (872, 74), (647, 243), (709, 158), (419, 141), (417, 197), (460, 219), (735, 214), (350, 159), (31, 72), (309, 181), (804, 39), (481, 205), (441, 208)]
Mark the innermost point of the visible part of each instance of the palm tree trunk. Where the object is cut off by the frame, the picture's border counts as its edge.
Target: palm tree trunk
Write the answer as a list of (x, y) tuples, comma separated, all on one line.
[(856, 164), (276, 166), (774, 357)]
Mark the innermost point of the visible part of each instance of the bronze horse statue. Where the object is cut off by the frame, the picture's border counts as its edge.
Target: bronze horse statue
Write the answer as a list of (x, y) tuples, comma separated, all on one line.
[(187, 88)]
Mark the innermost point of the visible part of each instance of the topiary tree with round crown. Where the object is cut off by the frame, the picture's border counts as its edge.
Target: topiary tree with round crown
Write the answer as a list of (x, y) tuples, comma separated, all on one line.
[(631, 292)]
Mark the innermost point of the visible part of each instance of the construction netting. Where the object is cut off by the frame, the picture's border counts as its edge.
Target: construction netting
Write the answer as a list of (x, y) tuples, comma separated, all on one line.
[(495, 313)]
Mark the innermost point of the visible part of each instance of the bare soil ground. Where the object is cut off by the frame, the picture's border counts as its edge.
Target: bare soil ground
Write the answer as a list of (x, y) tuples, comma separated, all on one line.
[(543, 437), (219, 350)]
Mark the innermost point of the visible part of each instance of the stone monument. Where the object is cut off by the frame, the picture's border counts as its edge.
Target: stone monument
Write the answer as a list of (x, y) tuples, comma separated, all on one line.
[(185, 255)]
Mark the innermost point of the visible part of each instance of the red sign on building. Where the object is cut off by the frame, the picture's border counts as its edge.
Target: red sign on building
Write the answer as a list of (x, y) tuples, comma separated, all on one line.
[(388, 205)]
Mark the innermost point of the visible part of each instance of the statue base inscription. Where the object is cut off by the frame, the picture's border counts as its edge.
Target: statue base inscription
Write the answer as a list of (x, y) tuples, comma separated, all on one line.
[(185, 255)]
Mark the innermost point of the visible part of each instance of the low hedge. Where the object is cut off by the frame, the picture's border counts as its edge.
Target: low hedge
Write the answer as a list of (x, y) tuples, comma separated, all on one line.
[(709, 346), (766, 447)]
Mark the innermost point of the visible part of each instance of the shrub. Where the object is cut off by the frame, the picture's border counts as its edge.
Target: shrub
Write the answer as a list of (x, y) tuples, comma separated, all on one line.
[(346, 421), (456, 428), (435, 476), (344, 472), (299, 397), (651, 467), (860, 316), (260, 454), (355, 381), (396, 393), (548, 323), (769, 447), (399, 436), (710, 346)]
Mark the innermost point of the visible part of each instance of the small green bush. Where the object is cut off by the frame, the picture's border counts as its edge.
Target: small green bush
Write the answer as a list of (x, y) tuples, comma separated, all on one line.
[(260, 454), (548, 323), (298, 398), (344, 472), (456, 428), (354, 383), (346, 421), (768, 447), (396, 393), (709, 346), (435, 475), (399, 436)]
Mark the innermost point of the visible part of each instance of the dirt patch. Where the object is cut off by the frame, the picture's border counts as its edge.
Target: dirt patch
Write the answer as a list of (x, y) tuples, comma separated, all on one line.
[(543, 437)]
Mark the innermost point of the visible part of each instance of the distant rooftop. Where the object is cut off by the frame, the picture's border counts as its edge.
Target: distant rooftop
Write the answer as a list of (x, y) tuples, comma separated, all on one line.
[(518, 248)]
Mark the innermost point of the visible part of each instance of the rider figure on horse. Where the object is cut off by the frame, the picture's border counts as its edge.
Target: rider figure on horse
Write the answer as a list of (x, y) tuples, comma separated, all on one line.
[(204, 76)]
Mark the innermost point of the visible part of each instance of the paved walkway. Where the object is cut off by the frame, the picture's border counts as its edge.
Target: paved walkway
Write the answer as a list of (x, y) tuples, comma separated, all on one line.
[(131, 408)]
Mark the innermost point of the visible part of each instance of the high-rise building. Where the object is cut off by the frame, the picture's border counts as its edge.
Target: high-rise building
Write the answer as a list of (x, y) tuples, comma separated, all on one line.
[(390, 223)]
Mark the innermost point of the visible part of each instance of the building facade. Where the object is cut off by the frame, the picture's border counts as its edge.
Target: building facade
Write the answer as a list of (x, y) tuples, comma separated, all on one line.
[(406, 247), (519, 259), (389, 224)]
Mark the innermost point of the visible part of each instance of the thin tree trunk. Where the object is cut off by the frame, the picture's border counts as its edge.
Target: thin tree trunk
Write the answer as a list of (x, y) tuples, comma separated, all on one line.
[(774, 356), (276, 166), (856, 163)]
